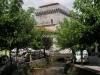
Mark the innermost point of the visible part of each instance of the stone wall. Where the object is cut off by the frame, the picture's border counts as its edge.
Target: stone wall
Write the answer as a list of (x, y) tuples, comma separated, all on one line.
[(71, 69), (28, 67), (51, 15)]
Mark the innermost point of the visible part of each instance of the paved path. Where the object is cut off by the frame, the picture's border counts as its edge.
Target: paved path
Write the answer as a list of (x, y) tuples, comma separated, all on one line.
[(94, 64), (94, 60)]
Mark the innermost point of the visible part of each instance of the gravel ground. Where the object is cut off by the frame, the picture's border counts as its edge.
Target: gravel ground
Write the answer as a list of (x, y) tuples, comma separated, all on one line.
[(56, 68)]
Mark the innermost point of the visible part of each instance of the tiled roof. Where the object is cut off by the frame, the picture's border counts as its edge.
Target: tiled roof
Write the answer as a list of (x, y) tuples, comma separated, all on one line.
[(43, 29), (48, 5)]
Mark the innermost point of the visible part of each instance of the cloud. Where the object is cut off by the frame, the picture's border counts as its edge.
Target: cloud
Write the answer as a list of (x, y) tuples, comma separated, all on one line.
[(36, 3)]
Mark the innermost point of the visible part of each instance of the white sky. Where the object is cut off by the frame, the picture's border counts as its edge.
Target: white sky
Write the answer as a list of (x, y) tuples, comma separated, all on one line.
[(36, 3)]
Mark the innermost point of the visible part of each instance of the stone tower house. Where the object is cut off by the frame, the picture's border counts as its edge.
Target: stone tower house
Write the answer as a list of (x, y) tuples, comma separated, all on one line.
[(50, 15)]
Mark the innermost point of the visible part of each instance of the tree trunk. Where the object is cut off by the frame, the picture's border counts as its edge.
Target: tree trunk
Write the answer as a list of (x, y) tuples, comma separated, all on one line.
[(81, 57), (73, 57), (39, 54), (10, 62), (17, 57), (30, 58), (44, 52)]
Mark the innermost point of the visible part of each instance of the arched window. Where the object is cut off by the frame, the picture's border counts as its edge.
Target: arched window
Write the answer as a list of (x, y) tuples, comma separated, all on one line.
[(51, 21)]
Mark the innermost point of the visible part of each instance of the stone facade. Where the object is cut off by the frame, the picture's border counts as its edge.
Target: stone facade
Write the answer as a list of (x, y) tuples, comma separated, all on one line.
[(50, 15)]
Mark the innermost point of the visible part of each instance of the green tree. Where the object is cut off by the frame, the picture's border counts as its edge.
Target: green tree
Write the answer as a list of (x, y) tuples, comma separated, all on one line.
[(10, 25), (15, 25), (36, 39), (84, 30), (69, 34), (40, 39), (28, 23), (87, 13), (47, 43)]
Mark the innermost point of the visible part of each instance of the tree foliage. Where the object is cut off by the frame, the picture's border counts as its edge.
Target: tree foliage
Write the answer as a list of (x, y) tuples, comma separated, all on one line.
[(10, 24), (84, 28), (47, 42), (36, 39), (28, 23), (40, 38), (16, 23), (87, 13), (69, 33)]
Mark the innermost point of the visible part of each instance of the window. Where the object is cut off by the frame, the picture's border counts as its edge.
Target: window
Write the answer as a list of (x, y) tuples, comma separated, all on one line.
[(51, 21), (78, 53)]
